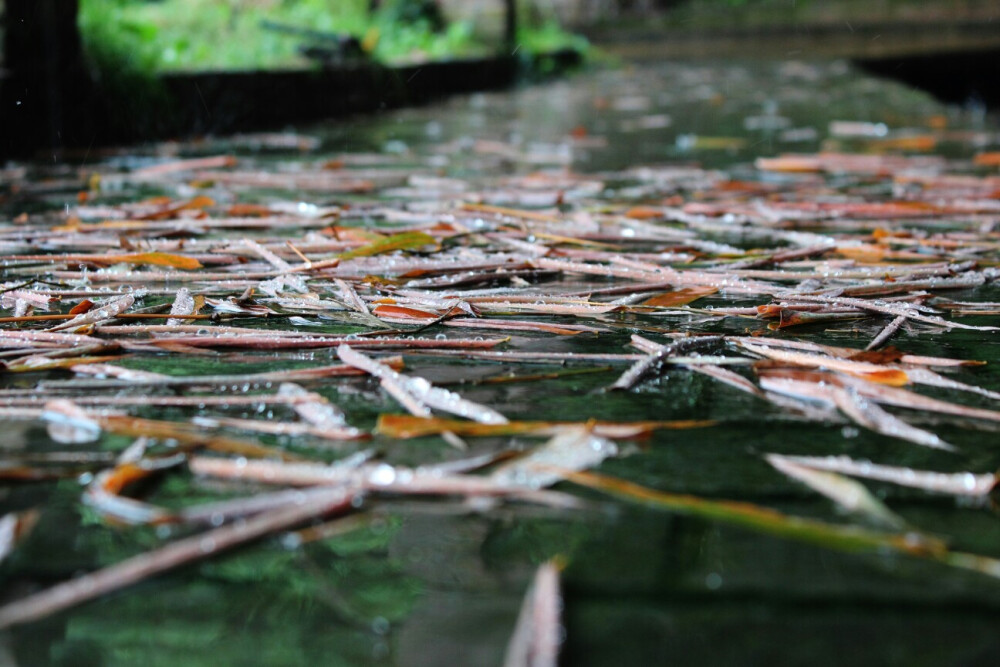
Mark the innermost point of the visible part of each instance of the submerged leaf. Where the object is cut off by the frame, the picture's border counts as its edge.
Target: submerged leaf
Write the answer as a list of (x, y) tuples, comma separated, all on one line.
[(197, 547), (538, 634)]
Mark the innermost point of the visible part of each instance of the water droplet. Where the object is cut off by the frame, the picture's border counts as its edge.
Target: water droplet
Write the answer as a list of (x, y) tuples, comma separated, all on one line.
[(383, 475)]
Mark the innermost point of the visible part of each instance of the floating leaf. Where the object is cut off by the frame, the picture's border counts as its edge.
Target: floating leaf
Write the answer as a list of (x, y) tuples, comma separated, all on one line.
[(14, 527), (680, 297), (38, 364), (406, 426), (159, 259), (847, 493), (571, 448), (955, 483), (403, 313), (81, 307), (415, 390), (404, 241), (69, 424)]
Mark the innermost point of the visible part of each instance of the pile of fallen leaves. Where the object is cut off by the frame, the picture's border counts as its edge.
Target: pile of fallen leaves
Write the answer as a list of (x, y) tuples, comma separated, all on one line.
[(413, 264)]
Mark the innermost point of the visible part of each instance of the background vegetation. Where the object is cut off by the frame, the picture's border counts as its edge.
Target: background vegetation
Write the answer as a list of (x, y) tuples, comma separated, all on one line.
[(158, 35)]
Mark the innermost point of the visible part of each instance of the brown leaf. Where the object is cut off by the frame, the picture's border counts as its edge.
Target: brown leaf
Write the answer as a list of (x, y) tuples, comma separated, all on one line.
[(888, 355), (680, 297), (82, 307)]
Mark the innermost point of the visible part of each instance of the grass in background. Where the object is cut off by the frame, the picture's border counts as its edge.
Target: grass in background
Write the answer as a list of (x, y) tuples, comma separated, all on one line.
[(160, 35)]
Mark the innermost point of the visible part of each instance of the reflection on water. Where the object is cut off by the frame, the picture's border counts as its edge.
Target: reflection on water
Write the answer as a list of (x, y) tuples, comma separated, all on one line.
[(441, 584)]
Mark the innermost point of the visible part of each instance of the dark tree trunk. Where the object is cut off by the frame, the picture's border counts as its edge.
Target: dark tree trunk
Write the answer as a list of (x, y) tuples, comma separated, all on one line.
[(46, 80)]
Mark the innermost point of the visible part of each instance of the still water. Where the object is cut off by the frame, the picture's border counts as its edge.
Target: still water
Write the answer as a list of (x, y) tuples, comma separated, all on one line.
[(440, 583)]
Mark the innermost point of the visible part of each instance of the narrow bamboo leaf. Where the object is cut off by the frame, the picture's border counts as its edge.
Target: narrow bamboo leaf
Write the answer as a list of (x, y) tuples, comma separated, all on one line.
[(571, 448), (406, 426), (954, 483), (538, 633), (765, 520), (680, 297), (847, 493), (404, 241), (159, 259)]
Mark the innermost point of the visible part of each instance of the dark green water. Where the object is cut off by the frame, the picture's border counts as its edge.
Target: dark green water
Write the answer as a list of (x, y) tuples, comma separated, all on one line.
[(436, 584)]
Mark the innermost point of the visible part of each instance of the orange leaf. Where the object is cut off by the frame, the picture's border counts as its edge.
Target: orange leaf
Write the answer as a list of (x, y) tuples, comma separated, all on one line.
[(122, 476), (644, 213), (201, 201), (889, 355), (938, 122), (159, 259), (406, 426), (892, 377), (679, 297), (872, 253), (81, 307), (920, 143), (789, 163), (991, 159), (769, 311), (249, 211)]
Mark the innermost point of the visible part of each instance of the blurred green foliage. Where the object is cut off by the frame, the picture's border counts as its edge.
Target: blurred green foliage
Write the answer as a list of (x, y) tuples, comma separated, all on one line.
[(162, 35)]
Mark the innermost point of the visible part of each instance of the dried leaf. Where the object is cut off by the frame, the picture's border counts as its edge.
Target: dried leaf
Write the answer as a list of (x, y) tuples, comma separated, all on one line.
[(847, 493), (70, 424), (680, 297), (404, 241), (159, 259), (572, 448), (765, 520), (405, 426), (538, 633)]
